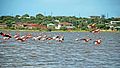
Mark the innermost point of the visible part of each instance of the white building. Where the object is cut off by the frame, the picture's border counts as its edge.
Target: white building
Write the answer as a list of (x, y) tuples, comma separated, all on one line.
[(114, 22), (65, 24)]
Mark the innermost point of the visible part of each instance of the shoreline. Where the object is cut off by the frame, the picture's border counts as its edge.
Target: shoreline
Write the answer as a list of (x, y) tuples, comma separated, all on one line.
[(55, 30)]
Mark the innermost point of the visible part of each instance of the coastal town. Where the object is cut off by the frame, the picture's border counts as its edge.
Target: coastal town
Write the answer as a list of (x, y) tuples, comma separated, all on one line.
[(58, 23), (59, 33)]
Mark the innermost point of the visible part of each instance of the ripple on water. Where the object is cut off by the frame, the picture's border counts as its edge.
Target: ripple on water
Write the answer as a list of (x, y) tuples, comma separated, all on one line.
[(69, 54)]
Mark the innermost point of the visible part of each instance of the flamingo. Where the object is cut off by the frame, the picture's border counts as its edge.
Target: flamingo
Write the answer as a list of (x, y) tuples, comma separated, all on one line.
[(97, 42), (5, 36), (22, 38), (96, 31), (86, 39)]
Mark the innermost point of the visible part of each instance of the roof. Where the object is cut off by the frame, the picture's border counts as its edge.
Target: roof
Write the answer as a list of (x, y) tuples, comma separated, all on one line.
[(70, 27), (30, 24), (65, 23), (50, 24)]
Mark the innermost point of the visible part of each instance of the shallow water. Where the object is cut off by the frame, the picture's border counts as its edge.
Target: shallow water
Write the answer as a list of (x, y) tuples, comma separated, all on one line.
[(69, 54)]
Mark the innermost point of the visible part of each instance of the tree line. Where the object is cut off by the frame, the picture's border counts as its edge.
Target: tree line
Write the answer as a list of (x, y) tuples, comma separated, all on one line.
[(78, 22)]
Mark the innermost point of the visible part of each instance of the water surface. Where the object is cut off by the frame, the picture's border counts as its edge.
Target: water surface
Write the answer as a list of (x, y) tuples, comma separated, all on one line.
[(69, 54)]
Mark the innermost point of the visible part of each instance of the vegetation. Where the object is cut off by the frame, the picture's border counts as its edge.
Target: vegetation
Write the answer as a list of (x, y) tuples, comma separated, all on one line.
[(79, 22)]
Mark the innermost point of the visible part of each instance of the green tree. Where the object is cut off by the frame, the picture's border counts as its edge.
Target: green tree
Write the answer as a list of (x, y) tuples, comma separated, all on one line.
[(17, 16), (101, 26), (9, 23), (25, 15), (39, 16)]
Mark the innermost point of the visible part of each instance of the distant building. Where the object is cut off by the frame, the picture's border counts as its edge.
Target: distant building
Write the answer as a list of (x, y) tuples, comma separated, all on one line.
[(67, 25), (94, 17), (115, 22), (29, 25), (2, 25), (32, 26), (18, 24), (114, 25), (42, 26), (51, 26)]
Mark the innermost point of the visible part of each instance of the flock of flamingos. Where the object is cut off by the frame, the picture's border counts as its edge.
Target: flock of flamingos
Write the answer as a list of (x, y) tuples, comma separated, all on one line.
[(58, 38)]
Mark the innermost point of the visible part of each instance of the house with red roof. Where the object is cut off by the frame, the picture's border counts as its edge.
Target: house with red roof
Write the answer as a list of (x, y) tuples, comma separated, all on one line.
[(30, 25)]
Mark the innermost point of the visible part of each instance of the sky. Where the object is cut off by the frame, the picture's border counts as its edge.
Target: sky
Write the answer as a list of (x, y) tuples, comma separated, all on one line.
[(79, 8)]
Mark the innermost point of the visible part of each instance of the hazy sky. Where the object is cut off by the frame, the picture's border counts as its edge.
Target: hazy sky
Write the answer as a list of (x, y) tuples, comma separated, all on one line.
[(83, 8)]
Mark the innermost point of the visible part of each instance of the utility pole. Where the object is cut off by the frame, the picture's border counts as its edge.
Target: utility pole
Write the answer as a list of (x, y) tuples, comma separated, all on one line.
[(107, 15), (51, 13), (79, 15)]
